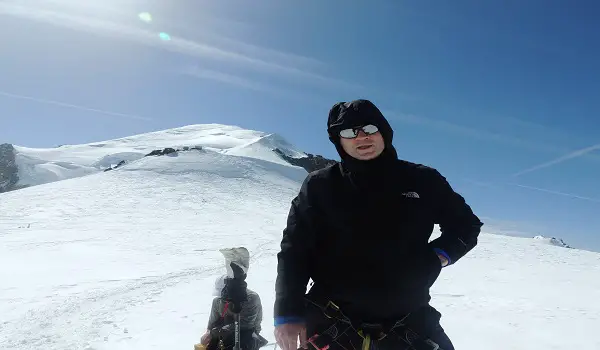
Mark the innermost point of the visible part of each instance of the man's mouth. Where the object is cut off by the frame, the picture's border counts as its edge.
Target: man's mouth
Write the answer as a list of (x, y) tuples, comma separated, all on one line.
[(364, 147)]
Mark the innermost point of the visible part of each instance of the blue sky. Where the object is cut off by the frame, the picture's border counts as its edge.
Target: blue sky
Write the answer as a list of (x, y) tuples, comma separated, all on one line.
[(501, 97)]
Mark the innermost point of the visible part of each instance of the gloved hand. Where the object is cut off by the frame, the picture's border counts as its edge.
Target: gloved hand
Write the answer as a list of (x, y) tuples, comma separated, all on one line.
[(205, 338), (235, 290)]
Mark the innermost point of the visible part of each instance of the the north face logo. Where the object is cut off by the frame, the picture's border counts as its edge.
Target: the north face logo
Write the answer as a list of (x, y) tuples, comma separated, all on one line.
[(411, 195)]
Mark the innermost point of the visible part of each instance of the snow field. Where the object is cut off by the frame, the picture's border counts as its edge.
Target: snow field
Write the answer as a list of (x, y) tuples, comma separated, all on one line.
[(126, 259)]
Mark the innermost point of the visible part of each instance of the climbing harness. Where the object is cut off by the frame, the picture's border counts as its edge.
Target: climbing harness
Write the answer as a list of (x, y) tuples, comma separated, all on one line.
[(368, 332)]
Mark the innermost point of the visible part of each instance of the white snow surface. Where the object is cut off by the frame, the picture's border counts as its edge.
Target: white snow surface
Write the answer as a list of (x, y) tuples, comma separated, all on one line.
[(127, 259), (38, 166)]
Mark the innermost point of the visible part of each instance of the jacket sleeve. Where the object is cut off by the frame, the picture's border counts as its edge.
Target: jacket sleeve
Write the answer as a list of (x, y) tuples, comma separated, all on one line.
[(214, 314), (459, 226), (259, 315), (251, 314), (293, 259)]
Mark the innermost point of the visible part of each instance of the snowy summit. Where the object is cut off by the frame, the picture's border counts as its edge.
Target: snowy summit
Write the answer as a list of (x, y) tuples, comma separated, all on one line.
[(38, 166), (123, 251)]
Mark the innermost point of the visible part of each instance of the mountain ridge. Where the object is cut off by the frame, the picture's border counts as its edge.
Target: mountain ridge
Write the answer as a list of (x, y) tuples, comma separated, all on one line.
[(23, 166)]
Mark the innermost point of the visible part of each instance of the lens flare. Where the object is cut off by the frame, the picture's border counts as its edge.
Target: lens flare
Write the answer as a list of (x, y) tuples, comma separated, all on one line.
[(146, 17)]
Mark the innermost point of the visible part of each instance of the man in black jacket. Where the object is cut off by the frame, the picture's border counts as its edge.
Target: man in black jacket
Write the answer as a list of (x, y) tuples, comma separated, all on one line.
[(360, 230)]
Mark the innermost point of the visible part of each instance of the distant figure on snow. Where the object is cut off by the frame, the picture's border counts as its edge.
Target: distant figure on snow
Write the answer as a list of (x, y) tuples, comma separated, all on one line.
[(233, 296)]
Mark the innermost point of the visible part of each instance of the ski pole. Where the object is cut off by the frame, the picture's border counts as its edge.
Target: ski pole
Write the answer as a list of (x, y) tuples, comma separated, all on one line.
[(236, 318)]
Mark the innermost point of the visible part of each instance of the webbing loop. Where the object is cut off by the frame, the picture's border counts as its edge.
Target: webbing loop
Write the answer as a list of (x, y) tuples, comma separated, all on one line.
[(366, 342)]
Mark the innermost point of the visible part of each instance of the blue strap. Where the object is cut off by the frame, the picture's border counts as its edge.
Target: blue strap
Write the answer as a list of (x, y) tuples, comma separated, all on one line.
[(443, 253), (288, 319)]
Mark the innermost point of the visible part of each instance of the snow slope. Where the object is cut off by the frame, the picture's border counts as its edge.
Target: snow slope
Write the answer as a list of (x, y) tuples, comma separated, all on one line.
[(126, 259), (256, 148), (103, 251), (39, 166)]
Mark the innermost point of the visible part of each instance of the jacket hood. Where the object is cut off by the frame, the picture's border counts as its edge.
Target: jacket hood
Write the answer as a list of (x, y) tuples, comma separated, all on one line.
[(239, 256), (219, 285), (360, 112)]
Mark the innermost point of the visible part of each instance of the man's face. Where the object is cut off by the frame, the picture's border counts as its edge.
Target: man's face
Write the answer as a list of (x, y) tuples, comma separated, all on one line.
[(364, 146)]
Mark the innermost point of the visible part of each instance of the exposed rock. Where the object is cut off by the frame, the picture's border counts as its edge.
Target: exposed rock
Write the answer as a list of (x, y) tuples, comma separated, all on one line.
[(553, 241), (9, 173), (156, 152), (121, 163), (163, 152), (170, 150), (310, 163)]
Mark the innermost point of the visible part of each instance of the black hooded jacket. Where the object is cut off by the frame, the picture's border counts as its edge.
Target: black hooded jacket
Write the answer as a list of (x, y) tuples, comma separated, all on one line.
[(361, 230)]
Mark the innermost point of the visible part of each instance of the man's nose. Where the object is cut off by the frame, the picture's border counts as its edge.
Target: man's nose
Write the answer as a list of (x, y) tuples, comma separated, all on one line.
[(361, 134)]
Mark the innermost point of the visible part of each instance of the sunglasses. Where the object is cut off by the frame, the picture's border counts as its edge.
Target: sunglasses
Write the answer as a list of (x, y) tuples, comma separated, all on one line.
[(351, 133)]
